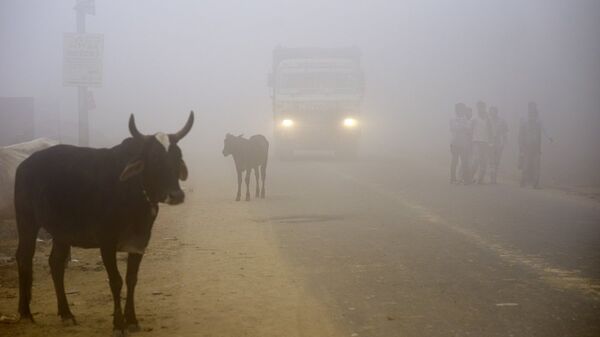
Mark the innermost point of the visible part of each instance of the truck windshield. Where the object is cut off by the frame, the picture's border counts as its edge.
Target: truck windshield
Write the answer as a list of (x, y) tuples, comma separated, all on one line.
[(318, 80)]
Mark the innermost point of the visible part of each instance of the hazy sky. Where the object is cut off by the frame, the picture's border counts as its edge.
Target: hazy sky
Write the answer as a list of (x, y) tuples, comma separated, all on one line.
[(162, 59)]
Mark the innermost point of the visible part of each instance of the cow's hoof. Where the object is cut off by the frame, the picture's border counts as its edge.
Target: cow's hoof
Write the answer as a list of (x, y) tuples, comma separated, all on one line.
[(69, 321), (119, 333), (133, 328), (238, 199), (247, 198), (28, 318)]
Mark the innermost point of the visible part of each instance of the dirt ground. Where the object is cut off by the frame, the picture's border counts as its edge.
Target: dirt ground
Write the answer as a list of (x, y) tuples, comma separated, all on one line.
[(207, 272)]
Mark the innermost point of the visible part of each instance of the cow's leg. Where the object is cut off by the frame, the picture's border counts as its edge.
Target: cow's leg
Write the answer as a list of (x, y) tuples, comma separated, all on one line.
[(25, 251), (263, 174), (247, 180), (57, 261), (133, 265), (257, 176), (109, 258), (239, 181)]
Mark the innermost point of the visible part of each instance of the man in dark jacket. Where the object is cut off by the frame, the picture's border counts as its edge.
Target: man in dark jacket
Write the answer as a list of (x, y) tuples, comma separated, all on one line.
[(530, 147), (499, 139)]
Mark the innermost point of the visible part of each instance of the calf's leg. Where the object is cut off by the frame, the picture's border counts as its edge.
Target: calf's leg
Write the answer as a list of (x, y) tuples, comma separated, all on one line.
[(109, 258), (248, 171), (263, 173), (256, 175), (239, 181), (57, 261), (133, 266)]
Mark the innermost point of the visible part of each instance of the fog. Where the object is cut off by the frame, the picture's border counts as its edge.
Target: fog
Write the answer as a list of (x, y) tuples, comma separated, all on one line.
[(419, 57), (392, 227)]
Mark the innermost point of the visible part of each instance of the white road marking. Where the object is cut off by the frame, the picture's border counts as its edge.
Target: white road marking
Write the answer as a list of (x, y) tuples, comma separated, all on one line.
[(556, 277)]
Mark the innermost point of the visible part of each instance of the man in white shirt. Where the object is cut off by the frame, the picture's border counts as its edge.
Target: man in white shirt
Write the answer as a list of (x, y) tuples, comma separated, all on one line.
[(481, 141), (467, 169), (459, 129)]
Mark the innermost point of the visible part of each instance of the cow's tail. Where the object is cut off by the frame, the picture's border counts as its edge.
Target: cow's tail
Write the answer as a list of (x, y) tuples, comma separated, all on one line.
[(27, 228)]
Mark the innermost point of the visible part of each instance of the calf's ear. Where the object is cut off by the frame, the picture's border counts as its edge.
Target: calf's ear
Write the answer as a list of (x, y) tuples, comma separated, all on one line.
[(183, 171), (132, 169)]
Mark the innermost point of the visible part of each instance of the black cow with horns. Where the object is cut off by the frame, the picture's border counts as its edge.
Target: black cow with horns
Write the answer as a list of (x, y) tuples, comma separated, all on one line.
[(96, 198)]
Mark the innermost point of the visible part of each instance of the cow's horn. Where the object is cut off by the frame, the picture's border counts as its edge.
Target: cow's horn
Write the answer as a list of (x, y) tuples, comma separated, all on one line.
[(133, 129), (175, 137)]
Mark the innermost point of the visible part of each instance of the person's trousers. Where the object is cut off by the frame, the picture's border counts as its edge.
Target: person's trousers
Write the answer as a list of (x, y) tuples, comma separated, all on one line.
[(531, 169), (482, 153), (459, 155), (496, 156)]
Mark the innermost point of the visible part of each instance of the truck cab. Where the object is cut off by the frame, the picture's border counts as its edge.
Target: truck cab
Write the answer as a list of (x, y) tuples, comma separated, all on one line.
[(317, 95)]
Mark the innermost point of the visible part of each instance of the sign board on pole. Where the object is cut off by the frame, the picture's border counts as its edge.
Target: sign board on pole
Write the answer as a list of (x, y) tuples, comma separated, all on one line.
[(82, 59), (86, 6)]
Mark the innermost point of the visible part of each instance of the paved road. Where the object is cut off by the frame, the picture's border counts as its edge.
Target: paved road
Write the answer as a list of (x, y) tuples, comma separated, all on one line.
[(400, 252), (366, 248)]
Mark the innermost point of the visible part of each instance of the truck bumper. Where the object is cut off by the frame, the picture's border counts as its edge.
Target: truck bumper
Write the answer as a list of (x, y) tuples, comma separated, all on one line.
[(327, 139)]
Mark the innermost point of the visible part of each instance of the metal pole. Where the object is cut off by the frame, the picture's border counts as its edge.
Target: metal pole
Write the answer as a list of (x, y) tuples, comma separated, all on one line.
[(84, 137)]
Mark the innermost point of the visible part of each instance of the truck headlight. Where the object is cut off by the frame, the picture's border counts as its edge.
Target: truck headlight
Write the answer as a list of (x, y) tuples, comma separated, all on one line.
[(287, 123), (350, 123)]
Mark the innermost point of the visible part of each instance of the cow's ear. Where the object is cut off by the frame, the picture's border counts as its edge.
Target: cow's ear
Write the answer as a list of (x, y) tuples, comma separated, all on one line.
[(132, 169), (183, 171)]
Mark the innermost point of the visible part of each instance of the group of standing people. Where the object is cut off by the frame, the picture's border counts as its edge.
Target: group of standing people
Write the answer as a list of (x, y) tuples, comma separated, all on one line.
[(478, 143)]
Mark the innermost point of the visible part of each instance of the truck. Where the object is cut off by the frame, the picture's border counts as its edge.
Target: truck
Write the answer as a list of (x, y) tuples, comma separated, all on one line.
[(317, 95)]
